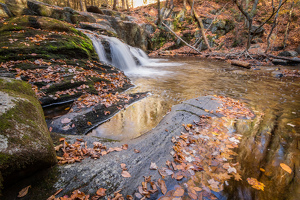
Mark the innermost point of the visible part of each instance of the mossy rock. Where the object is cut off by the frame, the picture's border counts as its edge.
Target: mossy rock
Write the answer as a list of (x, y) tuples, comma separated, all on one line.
[(61, 40), (26, 145)]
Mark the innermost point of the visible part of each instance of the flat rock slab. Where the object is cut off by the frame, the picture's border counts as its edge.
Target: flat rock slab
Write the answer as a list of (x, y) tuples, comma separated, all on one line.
[(154, 146)]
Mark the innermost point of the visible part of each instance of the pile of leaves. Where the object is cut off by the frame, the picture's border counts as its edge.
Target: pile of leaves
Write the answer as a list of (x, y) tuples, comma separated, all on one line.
[(45, 75), (71, 153)]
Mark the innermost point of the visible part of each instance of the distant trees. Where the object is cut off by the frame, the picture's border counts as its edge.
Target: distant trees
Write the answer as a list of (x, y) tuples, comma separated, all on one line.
[(249, 14)]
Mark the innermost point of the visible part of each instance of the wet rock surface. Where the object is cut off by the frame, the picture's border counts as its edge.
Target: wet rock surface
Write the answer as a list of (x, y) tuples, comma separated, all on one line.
[(154, 146)]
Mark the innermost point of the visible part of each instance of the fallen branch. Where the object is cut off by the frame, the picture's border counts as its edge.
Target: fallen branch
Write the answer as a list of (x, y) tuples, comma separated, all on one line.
[(296, 60), (180, 38)]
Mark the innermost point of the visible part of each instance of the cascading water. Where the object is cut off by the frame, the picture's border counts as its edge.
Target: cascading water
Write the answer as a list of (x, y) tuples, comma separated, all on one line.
[(122, 56)]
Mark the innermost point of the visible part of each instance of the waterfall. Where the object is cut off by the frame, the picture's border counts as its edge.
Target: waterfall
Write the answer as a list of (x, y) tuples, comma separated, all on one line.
[(122, 56)]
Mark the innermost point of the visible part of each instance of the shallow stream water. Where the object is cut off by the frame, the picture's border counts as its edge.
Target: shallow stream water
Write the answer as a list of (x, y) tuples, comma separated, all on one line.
[(273, 137)]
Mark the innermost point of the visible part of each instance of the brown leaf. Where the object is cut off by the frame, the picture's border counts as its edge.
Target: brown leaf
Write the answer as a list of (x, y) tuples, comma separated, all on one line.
[(101, 192), (62, 139), (24, 191), (162, 185), (286, 168), (153, 166), (178, 192), (125, 174), (125, 146), (65, 120), (123, 166), (136, 151), (89, 123), (256, 184)]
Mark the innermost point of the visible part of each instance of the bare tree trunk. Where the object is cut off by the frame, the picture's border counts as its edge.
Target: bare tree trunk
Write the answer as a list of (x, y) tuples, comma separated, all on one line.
[(165, 8), (273, 26), (158, 13), (184, 4), (123, 4), (115, 4), (127, 5), (82, 6), (201, 26), (250, 17), (288, 24)]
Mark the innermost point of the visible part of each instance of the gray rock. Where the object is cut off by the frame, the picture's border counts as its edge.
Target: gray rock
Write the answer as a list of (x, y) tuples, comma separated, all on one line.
[(259, 32), (288, 53), (94, 9), (4, 11), (279, 62), (277, 74), (298, 49), (98, 27), (155, 146), (25, 143)]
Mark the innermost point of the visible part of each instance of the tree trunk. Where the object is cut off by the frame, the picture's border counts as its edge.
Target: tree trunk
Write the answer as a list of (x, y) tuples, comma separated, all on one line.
[(82, 6), (123, 4), (201, 27), (127, 5), (273, 26), (158, 13), (115, 4), (288, 24), (184, 4)]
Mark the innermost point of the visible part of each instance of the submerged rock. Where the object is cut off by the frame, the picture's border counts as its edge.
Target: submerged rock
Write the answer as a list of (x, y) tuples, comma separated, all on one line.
[(25, 143)]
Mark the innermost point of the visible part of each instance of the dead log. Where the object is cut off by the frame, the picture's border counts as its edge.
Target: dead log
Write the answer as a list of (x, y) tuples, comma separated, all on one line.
[(241, 64), (180, 38), (293, 60)]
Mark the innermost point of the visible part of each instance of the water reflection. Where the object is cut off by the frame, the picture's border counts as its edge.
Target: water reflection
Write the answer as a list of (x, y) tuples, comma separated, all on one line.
[(267, 141)]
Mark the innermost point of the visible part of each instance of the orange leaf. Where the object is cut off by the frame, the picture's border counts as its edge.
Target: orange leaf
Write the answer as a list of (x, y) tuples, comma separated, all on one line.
[(89, 123), (125, 174), (286, 168), (178, 192), (24, 191), (101, 192), (256, 184), (162, 186)]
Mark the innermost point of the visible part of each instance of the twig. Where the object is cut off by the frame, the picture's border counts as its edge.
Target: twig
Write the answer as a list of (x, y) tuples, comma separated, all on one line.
[(181, 38)]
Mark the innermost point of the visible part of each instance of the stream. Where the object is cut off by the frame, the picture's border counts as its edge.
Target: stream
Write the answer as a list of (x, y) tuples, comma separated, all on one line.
[(268, 140)]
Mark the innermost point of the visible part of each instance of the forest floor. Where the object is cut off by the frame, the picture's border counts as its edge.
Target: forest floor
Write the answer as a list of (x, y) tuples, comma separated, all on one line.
[(234, 42)]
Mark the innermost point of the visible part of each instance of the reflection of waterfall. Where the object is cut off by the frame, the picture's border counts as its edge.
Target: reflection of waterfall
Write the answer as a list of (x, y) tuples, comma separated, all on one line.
[(122, 56)]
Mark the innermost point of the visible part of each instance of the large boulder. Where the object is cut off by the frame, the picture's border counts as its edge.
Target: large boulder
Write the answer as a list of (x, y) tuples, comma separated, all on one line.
[(25, 142), (17, 7)]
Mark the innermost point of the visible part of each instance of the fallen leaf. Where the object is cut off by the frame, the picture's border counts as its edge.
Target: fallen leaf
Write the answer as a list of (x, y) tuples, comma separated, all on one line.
[(101, 192), (125, 174), (65, 120), (286, 168), (261, 169), (153, 166), (256, 184), (123, 166), (89, 123), (178, 192), (125, 146), (136, 151), (24, 191), (162, 185)]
